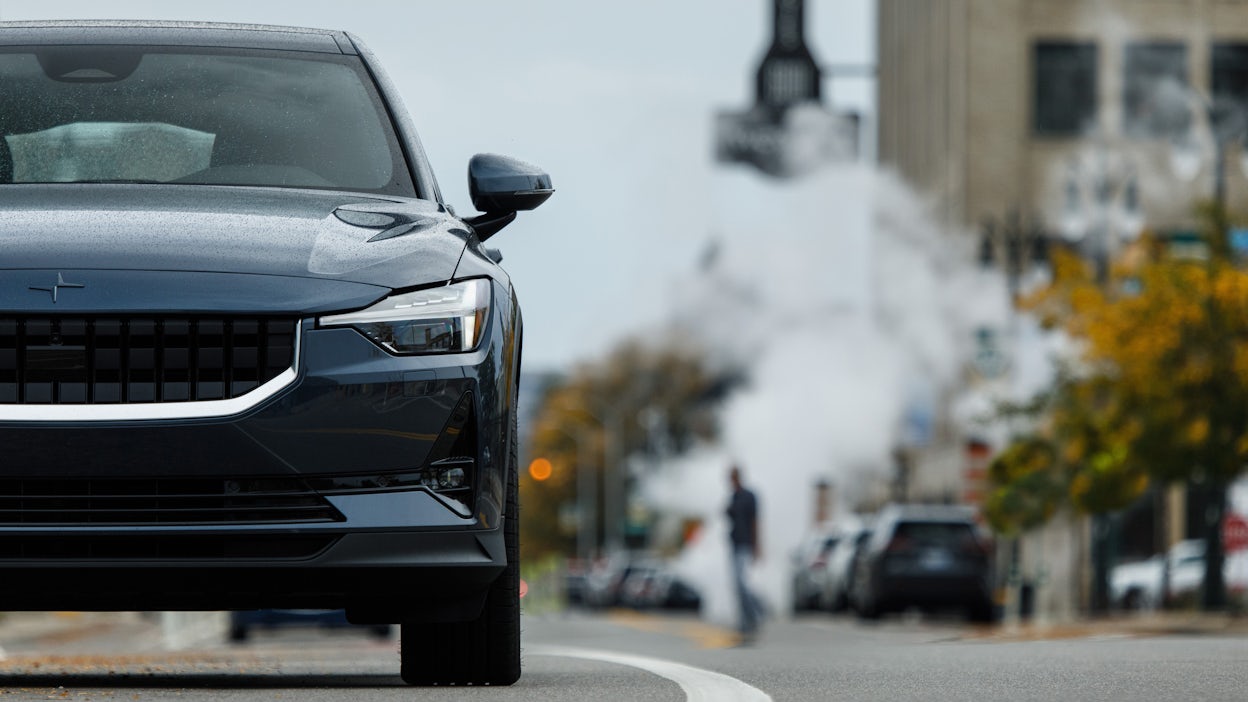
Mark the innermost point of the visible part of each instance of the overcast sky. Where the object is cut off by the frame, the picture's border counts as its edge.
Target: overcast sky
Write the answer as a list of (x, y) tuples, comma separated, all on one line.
[(614, 99)]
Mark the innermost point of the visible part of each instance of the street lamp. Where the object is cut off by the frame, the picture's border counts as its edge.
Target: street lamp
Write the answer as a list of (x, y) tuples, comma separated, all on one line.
[(1226, 124), (1102, 207), (1020, 246), (1102, 212)]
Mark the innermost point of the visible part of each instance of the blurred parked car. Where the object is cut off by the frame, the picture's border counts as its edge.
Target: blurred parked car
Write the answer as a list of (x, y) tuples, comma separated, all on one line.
[(927, 556), (637, 587), (605, 579), (674, 592), (1138, 585), (575, 579), (655, 586), (839, 575), (242, 622), (810, 563)]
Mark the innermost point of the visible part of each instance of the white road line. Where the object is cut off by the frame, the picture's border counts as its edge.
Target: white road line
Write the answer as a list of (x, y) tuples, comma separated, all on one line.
[(699, 685)]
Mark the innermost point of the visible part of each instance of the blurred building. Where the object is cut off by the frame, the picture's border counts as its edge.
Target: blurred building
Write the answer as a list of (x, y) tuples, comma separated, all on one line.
[(1028, 121), (999, 106)]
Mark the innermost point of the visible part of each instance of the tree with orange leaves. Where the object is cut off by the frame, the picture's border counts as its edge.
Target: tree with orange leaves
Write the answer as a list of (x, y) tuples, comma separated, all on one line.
[(1162, 391), (639, 399)]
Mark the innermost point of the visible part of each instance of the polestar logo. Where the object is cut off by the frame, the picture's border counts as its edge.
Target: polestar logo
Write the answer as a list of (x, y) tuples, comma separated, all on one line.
[(60, 283)]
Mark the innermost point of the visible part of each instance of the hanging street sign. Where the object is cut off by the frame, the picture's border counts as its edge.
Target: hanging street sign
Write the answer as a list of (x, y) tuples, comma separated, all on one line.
[(788, 74), (788, 131)]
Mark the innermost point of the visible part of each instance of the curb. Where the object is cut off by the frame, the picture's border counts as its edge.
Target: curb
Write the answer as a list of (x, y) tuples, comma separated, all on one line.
[(1141, 626), (23, 630)]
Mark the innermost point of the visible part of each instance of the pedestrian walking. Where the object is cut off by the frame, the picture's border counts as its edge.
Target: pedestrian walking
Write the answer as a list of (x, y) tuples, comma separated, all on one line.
[(743, 516)]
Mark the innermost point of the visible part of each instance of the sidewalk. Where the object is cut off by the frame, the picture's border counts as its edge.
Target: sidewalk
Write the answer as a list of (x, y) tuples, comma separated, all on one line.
[(49, 632), (1135, 625)]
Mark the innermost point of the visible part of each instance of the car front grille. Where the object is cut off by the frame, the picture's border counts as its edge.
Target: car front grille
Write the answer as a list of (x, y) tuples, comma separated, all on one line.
[(111, 360), (163, 501)]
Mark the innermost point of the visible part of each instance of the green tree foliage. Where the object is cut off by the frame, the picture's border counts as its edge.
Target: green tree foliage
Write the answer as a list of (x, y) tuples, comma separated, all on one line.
[(1095, 431), (1168, 360), (1080, 455), (1026, 486)]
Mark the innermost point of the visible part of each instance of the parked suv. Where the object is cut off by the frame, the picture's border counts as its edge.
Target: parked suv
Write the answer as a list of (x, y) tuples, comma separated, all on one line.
[(249, 358), (924, 556)]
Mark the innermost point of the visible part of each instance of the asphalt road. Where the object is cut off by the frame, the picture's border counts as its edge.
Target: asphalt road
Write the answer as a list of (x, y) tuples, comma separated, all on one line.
[(621, 656)]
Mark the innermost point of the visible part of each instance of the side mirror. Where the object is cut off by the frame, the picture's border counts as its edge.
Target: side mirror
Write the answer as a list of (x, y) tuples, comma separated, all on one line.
[(501, 186)]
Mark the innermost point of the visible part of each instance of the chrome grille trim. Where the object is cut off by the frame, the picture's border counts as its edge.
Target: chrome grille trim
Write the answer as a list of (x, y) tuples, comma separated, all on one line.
[(196, 409)]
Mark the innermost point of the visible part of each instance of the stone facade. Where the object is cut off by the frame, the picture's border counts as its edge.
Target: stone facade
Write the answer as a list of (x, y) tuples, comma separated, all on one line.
[(957, 87)]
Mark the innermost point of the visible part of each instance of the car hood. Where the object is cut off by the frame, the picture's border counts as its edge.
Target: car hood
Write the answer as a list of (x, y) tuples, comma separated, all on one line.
[(320, 235)]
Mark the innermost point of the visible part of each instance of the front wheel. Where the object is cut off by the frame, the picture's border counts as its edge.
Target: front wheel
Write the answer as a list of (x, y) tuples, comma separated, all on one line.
[(982, 612), (485, 651), (870, 609)]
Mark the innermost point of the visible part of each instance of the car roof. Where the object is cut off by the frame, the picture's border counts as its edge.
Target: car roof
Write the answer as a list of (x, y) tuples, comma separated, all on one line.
[(158, 33)]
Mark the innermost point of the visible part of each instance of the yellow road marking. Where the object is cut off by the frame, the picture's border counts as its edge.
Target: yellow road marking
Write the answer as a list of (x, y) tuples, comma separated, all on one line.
[(703, 635)]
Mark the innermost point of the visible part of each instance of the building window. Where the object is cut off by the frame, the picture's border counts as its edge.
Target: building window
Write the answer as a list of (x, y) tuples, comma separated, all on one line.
[(1064, 102), (1155, 100), (1230, 76)]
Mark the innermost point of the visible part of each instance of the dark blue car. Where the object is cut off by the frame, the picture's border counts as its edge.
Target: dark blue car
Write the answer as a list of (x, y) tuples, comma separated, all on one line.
[(249, 357)]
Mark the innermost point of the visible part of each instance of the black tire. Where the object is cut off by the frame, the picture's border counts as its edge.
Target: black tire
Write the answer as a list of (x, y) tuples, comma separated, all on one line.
[(1133, 600), (239, 633), (840, 603), (485, 651), (981, 612), (870, 610), (801, 603)]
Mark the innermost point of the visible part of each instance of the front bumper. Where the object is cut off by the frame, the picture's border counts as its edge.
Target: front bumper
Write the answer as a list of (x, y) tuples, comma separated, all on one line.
[(353, 413), (379, 577)]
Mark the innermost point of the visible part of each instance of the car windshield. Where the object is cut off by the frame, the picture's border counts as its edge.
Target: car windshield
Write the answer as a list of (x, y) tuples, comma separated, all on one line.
[(88, 114)]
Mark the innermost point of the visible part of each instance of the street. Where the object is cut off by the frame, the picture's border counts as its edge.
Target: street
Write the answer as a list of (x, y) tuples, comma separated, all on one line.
[(629, 656)]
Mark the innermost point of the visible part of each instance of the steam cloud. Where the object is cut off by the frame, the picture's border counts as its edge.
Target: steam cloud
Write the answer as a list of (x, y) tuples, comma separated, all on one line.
[(847, 307)]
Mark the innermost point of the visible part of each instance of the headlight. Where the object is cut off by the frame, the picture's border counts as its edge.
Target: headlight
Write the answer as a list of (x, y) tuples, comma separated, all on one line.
[(449, 319)]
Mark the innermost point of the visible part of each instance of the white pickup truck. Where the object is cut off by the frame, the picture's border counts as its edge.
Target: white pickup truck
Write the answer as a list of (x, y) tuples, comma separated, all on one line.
[(1138, 585)]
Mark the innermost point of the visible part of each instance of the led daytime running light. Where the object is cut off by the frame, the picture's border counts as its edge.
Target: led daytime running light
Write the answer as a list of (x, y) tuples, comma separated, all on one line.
[(447, 319)]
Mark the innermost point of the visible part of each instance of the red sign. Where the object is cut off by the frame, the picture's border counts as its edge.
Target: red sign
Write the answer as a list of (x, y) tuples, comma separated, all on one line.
[(1234, 532)]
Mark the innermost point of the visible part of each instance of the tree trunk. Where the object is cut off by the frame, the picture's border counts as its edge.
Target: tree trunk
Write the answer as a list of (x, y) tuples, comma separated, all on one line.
[(1102, 535), (1213, 594)]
